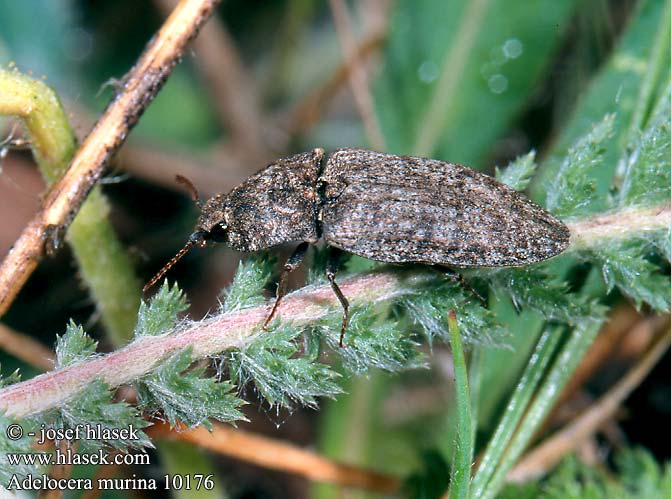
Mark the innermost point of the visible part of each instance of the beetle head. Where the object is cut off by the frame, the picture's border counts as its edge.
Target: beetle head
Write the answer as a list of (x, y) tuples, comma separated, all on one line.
[(211, 225)]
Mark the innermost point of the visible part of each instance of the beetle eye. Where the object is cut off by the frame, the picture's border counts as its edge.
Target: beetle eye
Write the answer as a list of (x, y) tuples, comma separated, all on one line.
[(218, 232)]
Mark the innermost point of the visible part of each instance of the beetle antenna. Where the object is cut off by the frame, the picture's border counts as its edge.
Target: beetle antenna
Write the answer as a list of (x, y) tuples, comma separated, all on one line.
[(191, 188), (189, 244)]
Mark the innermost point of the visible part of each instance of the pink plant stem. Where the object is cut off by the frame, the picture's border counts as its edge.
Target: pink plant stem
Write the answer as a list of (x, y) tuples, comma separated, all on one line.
[(208, 337)]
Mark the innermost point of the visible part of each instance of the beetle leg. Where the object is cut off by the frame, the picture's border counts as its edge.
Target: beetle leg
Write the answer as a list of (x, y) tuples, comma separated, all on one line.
[(331, 269), (459, 278), (292, 264)]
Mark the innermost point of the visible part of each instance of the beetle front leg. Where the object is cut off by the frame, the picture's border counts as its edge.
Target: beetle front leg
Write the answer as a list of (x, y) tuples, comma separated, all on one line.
[(292, 264), (331, 270)]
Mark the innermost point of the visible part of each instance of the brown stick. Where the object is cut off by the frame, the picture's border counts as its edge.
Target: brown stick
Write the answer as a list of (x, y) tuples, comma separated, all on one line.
[(277, 455), (160, 166), (25, 348), (357, 77), (621, 322), (140, 86), (306, 112), (230, 85)]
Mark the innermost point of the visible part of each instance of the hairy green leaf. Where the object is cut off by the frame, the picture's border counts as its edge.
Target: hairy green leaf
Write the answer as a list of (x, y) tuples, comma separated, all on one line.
[(638, 475), (93, 407), (428, 309), (647, 177), (572, 192), (74, 346), (626, 265), (249, 282), (280, 375), (22, 445), (15, 377), (371, 341), (535, 288), (518, 173), (160, 314), (185, 395)]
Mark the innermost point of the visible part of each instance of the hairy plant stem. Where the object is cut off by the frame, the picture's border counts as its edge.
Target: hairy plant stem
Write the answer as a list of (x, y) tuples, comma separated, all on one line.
[(208, 337), (591, 232), (228, 330)]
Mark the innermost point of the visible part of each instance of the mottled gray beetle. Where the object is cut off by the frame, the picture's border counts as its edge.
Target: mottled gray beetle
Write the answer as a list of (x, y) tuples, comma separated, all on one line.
[(389, 208)]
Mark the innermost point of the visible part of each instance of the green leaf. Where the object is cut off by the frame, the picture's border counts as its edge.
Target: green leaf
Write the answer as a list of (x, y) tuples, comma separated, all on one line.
[(460, 478), (663, 242), (518, 173), (572, 193), (616, 86), (515, 408), (371, 341), (94, 406), (280, 376), (160, 314), (637, 475), (74, 346), (625, 265), (647, 176), (21, 446), (249, 282), (15, 377), (449, 64), (185, 395), (534, 287), (641, 474), (429, 307)]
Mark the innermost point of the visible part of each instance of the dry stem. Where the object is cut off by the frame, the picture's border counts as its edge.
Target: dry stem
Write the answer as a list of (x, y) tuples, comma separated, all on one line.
[(358, 78), (160, 166), (306, 112), (231, 86), (26, 348), (64, 199), (274, 454)]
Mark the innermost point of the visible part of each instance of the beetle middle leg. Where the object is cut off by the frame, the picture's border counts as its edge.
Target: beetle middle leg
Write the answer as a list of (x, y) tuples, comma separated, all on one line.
[(292, 264), (459, 278), (331, 270)]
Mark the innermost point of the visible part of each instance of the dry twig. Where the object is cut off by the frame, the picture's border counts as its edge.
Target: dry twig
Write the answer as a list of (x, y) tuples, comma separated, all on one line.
[(307, 112), (25, 348), (140, 86), (277, 455), (160, 167), (357, 77), (230, 85), (621, 321)]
